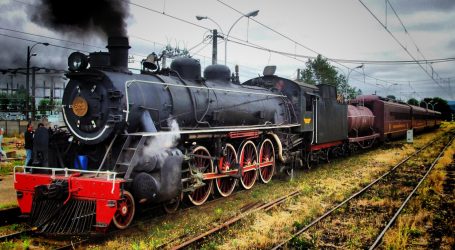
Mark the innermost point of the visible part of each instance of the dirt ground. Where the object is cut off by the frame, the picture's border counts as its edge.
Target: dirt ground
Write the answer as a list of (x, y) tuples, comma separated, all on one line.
[(8, 194)]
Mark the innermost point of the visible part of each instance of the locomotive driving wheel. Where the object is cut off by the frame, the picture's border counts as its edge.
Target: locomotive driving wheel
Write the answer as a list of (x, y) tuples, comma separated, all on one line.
[(226, 185), (125, 211), (266, 161), (248, 161), (202, 161)]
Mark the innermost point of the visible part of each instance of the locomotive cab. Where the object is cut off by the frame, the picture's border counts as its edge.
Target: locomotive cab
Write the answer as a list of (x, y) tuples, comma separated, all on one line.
[(300, 96)]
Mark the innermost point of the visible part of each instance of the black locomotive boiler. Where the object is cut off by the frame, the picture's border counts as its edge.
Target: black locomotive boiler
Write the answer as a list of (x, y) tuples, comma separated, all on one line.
[(107, 98), (170, 134)]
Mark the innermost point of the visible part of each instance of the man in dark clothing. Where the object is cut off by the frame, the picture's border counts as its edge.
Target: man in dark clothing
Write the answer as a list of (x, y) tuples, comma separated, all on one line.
[(40, 146), (28, 145)]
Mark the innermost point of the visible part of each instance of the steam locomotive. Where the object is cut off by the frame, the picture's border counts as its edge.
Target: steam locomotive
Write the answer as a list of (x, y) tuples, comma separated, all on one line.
[(170, 134)]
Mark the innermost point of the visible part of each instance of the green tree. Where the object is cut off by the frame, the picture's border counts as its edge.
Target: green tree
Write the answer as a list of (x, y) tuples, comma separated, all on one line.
[(438, 104), (13, 102), (43, 106), (413, 101), (4, 102), (319, 71), (391, 97), (46, 105)]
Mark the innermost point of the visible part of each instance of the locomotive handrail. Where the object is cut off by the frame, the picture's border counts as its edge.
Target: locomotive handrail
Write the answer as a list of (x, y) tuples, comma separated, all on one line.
[(110, 175), (129, 82), (220, 130), (79, 136)]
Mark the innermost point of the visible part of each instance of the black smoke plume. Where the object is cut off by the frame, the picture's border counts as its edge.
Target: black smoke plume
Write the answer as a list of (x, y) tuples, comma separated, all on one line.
[(83, 17)]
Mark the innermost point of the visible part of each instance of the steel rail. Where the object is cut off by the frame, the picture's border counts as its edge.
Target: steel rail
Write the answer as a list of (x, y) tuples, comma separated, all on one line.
[(395, 216), (16, 235), (326, 214), (9, 216), (252, 209), (98, 239)]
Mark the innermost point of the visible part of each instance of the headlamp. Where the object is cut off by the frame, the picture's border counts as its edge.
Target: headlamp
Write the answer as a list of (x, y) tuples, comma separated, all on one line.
[(77, 61)]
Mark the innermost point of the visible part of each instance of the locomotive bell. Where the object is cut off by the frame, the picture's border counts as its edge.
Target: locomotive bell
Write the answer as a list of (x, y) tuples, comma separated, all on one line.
[(149, 62), (269, 70)]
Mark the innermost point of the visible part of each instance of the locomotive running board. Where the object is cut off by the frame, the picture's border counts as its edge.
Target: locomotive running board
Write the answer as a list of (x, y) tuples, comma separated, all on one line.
[(363, 138), (215, 130)]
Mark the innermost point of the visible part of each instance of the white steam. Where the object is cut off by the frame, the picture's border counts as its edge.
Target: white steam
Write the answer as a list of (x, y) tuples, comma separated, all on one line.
[(163, 141)]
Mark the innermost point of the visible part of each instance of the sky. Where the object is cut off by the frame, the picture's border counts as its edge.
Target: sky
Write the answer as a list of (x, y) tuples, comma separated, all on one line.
[(336, 29)]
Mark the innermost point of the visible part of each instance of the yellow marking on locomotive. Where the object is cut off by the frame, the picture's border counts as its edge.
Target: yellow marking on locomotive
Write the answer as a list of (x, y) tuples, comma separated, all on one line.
[(307, 120), (80, 106), (398, 126)]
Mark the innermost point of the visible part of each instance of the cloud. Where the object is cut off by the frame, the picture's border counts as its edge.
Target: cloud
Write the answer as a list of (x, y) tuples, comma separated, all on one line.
[(451, 45), (411, 6), (431, 26)]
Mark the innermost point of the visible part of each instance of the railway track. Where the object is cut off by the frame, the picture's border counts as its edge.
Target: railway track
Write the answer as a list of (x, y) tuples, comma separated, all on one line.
[(144, 219), (331, 230), (10, 216), (184, 240), (251, 208), (149, 215)]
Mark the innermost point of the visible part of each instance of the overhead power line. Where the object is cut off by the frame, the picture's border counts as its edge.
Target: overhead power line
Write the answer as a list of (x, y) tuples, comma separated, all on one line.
[(50, 44), (401, 44), (252, 45), (385, 62), (405, 29), (418, 62), (439, 60), (249, 44), (295, 42), (168, 15), (49, 37), (359, 61)]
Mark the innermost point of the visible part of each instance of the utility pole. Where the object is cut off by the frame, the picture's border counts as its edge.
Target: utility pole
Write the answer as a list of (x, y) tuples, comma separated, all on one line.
[(12, 83), (52, 93), (27, 85), (215, 47), (33, 93)]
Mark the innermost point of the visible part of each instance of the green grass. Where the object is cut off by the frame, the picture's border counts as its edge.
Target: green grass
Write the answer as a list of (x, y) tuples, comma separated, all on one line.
[(8, 205), (7, 167)]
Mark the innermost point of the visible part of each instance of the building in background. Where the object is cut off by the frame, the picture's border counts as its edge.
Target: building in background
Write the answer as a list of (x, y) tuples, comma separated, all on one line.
[(48, 92)]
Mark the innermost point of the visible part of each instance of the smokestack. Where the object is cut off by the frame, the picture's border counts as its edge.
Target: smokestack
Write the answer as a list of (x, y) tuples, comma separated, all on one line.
[(118, 48)]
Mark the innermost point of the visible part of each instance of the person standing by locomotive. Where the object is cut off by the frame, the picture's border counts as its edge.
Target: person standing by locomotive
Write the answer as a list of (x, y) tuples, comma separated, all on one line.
[(28, 144), (1, 140), (40, 146)]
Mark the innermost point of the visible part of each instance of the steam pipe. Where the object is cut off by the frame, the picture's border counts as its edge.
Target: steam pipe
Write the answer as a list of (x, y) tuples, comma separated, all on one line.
[(147, 122)]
